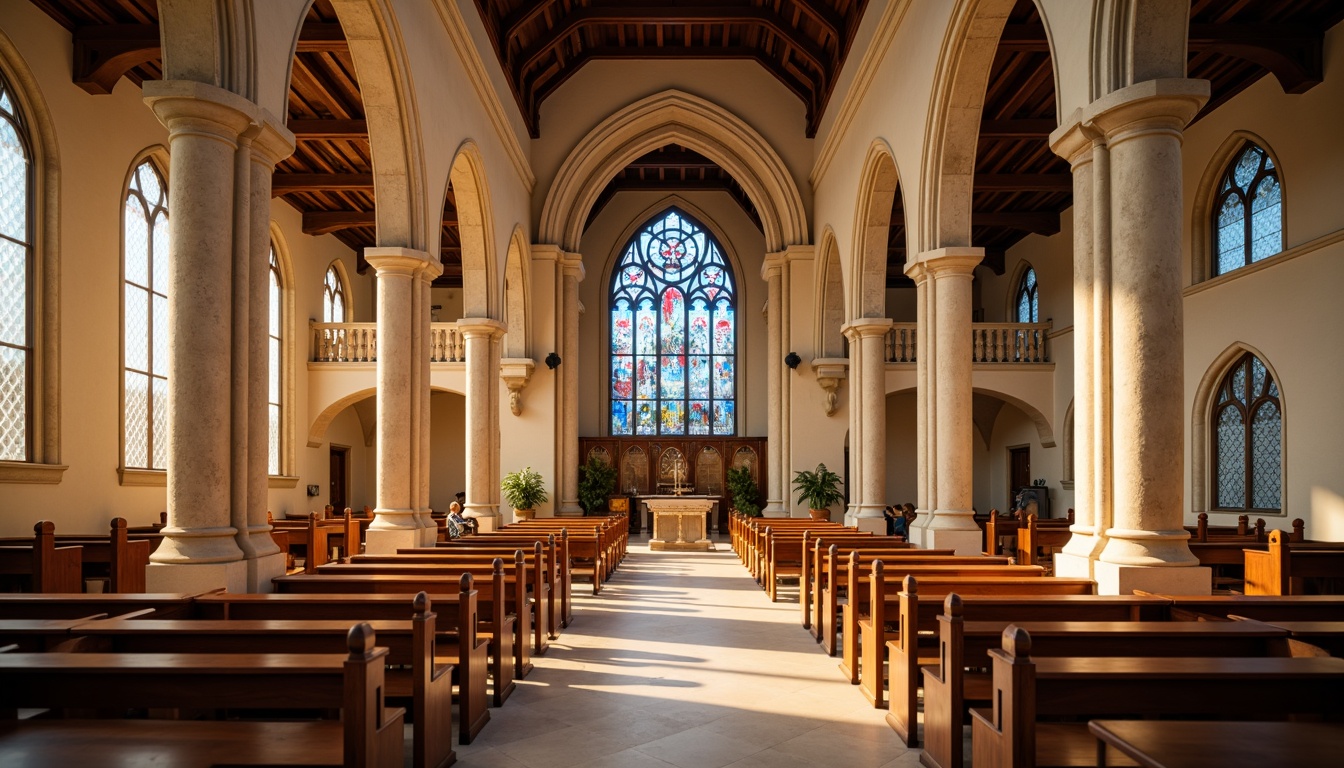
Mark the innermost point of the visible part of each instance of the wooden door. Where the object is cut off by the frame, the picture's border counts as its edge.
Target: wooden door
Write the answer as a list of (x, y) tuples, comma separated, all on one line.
[(337, 493), (1019, 472)]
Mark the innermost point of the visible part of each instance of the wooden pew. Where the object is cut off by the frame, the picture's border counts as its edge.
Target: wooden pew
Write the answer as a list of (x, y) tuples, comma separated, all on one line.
[(1266, 608), (1295, 568), (74, 605), (1025, 689), (948, 688), (369, 734), (1037, 541), (316, 536), (1226, 744), (40, 565), (827, 548), (410, 642), (558, 605), (115, 559)]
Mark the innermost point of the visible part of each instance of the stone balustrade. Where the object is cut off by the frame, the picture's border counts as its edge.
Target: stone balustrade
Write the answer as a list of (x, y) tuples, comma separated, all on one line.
[(358, 343), (991, 343)]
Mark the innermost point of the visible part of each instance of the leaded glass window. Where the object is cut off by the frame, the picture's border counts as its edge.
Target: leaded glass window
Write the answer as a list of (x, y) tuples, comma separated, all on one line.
[(1248, 212), (276, 370), (1248, 439), (1027, 308), (145, 319), (16, 283), (673, 333), (333, 297)]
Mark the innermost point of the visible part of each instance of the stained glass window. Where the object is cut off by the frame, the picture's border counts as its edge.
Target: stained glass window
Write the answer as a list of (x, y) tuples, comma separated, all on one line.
[(16, 279), (673, 333), (333, 297), (1248, 212), (275, 331), (1027, 308), (145, 319), (1248, 439)]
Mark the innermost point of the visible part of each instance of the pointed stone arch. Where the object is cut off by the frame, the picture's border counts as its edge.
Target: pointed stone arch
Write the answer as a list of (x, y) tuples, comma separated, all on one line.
[(674, 117), (518, 296), (879, 184), (829, 341), (475, 230), (1201, 212)]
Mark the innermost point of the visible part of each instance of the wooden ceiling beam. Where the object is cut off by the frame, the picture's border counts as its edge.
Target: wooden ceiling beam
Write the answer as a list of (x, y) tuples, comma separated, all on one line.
[(316, 37), (326, 222), (1024, 182), (515, 21), (1017, 129), (103, 53), (326, 129), (288, 183), (824, 15), (1035, 222), (1294, 53)]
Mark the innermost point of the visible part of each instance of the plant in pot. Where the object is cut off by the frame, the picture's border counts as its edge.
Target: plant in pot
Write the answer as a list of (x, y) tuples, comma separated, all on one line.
[(818, 489), (523, 490), (743, 491), (597, 481)]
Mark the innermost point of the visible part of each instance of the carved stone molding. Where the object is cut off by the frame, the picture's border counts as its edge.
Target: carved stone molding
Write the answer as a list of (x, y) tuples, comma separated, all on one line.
[(831, 373), (516, 371)]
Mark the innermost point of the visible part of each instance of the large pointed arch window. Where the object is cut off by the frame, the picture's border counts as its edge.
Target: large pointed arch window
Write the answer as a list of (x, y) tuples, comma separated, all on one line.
[(1248, 439), (16, 281), (1248, 212), (145, 319), (276, 373), (333, 297), (673, 333), (1027, 307)]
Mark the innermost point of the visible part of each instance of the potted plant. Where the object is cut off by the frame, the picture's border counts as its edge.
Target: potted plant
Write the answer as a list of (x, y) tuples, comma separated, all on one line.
[(597, 481), (523, 490), (818, 489), (743, 491)]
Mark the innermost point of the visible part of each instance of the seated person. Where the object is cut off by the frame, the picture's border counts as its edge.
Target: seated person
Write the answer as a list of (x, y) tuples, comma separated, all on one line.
[(896, 525), (454, 520)]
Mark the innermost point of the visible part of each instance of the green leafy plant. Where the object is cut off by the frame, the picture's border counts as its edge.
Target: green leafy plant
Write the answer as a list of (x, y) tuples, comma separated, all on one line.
[(524, 489), (819, 488), (742, 488), (597, 481)]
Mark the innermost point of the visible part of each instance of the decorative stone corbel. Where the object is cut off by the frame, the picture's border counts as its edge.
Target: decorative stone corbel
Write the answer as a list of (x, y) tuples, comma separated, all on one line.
[(831, 372), (516, 371)]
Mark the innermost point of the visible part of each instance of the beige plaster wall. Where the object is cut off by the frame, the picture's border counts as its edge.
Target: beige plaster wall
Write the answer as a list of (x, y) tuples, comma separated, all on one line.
[(901, 456), (447, 448), (1012, 428), (346, 430)]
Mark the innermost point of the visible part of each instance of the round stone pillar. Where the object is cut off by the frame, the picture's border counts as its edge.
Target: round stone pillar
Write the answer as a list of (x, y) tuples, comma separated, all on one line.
[(867, 337), (571, 273), (482, 435), (395, 524), (777, 485), (925, 442), (429, 530), (204, 124)]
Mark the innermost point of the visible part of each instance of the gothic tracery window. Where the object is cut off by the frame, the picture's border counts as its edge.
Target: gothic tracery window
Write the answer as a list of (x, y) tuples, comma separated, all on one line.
[(16, 281), (1247, 212), (1248, 439), (275, 332), (673, 333), (145, 313), (333, 297), (1027, 307)]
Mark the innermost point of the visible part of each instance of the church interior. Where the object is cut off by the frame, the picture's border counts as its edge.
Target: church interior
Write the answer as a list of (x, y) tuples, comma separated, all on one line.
[(296, 295)]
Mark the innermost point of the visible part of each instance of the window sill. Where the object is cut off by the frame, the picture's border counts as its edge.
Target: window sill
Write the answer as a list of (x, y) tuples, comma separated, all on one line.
[(281, 481), (1257, 266), (149, 478), (30, 472)]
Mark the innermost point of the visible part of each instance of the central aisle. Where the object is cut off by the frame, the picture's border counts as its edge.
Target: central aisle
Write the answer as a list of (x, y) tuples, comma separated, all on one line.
[(683, 661)]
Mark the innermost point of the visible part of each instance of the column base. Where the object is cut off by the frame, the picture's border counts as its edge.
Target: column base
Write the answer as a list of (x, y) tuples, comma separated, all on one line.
[(774, 508), (873, 525), (960, 541), (486, 519), (569, 508), (386, 541), (1113, 579), (261, 570), (195, 578), (1073, 566)]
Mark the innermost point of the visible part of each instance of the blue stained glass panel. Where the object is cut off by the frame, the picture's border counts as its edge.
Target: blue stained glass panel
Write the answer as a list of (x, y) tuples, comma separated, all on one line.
[(674, 376), (723, 328), (646, 377), (622, 330), (674, 322), (644, 421), (622, 377), (620, 417), (697, 422), (723, 417), (646, 330), (698, 336), (723, 377), (673, 417), (697, 377)]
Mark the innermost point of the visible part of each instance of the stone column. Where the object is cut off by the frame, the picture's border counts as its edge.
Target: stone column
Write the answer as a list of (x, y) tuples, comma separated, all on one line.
[(952, 523), (1146, 544), (772, 270), (395, 524), (571, 273), (482, 435), (199, 550), (429, 531), (867, 336), (925, 402), (270, 144), (1086, 152)]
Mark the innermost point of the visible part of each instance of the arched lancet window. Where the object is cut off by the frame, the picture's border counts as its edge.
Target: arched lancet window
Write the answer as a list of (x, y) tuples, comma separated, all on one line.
[(16, 283), (1248, 439), (1026, 308), (333, 297), (673, 333), (275, 331), (1250, 184), (145, 318)]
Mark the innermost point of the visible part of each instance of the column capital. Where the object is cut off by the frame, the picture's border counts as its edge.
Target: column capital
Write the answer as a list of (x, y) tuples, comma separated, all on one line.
[(186, 106), (866, 326), (480, 327), (1165, 105), (947, 262), (272, 141), (1074, 139), (549, 252), (396, 262), (430, 271), (571, 265)]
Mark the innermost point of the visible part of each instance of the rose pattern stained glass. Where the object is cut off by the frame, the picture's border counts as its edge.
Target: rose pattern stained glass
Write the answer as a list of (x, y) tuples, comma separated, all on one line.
[(145, 257), (673, 332), (15, 259), (1248, 212), (1248, 439)]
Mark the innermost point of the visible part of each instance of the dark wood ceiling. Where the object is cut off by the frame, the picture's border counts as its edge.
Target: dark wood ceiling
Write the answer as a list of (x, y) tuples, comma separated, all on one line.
[(1021, 187), (542, 43)]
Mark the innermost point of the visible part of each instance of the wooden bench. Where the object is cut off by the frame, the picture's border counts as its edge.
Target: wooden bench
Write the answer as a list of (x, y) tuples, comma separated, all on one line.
[(316, 537), (40, 566), (1295, 568), (115, 559), (1038, 542), (74, 605), (948, 688), (1234, 744), (559, 606), (367, 734), (1026, 689), (826, 563)]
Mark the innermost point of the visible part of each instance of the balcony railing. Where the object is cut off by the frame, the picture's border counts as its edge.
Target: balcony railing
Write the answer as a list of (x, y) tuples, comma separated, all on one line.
[(991, 343), (358, 343)]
